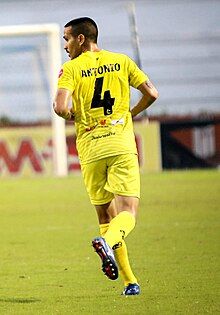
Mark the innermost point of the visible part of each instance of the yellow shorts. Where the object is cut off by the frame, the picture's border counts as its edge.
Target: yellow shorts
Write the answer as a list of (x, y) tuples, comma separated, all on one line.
[(115, 175)]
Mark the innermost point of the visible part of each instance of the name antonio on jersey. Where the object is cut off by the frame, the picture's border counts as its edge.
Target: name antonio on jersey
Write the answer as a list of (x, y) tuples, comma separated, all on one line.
[(100, 70)]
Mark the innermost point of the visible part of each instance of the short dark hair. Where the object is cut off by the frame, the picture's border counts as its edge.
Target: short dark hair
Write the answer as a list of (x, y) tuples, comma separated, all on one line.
[(85, 26)]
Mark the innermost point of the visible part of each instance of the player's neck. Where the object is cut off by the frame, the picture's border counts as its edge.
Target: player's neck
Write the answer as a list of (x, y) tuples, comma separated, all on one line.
[(91, 47)]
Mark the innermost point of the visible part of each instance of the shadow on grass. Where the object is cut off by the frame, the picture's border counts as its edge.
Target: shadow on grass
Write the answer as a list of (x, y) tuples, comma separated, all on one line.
[(19, 300)]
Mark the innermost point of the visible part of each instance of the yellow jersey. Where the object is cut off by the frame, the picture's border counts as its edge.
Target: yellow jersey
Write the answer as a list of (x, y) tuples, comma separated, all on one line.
[(100, 85)]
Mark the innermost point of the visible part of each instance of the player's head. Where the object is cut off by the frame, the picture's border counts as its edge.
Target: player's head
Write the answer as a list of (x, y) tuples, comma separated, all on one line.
[(85, 26), (78, 33)]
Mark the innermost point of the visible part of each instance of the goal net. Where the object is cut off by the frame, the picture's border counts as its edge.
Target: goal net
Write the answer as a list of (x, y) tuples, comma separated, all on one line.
[(32, 137)]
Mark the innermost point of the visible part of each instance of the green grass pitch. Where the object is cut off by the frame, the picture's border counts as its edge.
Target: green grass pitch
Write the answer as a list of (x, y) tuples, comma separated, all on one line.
[(47, 264)]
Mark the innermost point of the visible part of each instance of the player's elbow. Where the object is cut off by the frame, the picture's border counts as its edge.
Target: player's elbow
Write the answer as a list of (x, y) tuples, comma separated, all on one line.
[(149, 91), (58, 108), (154, 94)]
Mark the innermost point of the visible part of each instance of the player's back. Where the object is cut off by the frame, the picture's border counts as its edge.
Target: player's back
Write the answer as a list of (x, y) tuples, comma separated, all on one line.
[(102, 83), (101, 92)]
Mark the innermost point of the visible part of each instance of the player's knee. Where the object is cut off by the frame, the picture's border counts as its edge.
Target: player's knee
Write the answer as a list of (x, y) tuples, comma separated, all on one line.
[(129, 204)]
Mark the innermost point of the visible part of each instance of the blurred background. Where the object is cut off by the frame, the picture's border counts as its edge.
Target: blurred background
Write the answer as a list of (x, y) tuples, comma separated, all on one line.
[(177, 43)]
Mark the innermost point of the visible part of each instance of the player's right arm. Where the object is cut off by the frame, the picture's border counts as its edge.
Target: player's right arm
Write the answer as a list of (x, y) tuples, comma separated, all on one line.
[(65, 89), (149, 95), (61, 103)]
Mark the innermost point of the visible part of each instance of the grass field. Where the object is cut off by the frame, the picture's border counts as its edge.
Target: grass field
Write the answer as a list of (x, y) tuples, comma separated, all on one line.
[(47, 265)]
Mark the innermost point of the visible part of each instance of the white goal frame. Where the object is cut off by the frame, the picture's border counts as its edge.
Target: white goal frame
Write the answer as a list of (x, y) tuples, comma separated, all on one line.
[(52, 31)]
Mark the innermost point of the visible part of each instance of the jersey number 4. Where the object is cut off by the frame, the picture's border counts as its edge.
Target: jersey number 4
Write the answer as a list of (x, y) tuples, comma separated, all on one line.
[(107, 102)]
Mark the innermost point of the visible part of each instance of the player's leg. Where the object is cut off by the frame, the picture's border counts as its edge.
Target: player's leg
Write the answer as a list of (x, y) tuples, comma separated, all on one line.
[(120, 249), (122, 221), (122, 224), (124, 182), (95, 177), (105, 214), (130, 281)]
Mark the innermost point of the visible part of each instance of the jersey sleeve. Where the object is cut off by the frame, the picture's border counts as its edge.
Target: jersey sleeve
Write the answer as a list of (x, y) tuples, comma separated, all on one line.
[(66, 78), (135, 75)]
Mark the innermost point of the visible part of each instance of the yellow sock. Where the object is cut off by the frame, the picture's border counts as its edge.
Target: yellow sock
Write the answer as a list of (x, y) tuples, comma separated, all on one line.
[(103, 228), (121, 256), (119, 227)]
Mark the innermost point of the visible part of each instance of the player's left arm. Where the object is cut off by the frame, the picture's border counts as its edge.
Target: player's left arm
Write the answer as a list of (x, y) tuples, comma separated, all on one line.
[(149, 95), (61, 104)]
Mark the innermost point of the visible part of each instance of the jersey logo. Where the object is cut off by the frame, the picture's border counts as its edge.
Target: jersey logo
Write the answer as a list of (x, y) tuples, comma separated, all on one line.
[(103, 122), (117, 122)]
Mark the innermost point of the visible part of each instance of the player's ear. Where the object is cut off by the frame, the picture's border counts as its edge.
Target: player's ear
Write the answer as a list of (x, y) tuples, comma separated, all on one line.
[(81, 39)]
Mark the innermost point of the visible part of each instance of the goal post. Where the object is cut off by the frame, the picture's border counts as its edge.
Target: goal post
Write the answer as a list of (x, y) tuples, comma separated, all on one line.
[(52, 33)]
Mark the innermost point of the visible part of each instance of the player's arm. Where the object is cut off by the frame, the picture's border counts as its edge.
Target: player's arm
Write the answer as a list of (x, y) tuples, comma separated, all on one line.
[(149, 95), (61, 104)]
